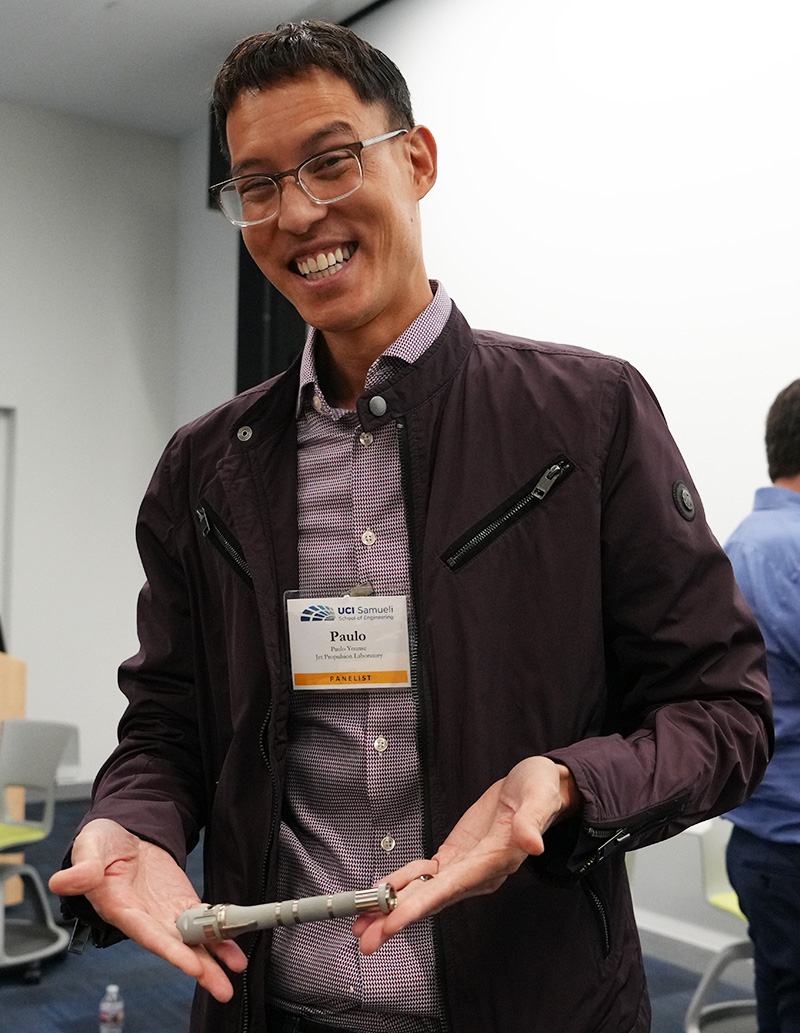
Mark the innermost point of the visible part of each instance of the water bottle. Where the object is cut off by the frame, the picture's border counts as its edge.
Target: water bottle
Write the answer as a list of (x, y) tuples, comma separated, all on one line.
[(112, 1011)]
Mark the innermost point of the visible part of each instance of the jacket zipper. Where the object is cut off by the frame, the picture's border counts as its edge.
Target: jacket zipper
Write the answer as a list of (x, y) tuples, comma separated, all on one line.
[(600, 912), (408, 502), (508, 513), (422, 742), (213, 529), (244, 1024), (612, 839)]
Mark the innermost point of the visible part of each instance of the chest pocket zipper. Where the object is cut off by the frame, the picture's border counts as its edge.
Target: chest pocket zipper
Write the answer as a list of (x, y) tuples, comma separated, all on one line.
[(482, 534), (215, 531)]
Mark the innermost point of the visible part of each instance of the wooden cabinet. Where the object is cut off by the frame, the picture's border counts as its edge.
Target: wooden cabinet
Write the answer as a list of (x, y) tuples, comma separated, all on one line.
[(12, 704)]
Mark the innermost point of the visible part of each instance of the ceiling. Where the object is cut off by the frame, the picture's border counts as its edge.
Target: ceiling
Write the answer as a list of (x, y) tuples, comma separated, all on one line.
[(141, 64)]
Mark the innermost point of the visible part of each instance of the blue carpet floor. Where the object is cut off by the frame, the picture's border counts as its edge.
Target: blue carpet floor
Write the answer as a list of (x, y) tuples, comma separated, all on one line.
[(157, 997)]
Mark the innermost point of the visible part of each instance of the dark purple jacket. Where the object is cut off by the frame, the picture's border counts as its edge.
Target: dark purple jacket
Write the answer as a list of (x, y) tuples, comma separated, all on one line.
[(572, 601)]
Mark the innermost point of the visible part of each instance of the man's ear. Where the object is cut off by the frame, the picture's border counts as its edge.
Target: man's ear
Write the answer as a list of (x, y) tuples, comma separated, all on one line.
[(422, 148)]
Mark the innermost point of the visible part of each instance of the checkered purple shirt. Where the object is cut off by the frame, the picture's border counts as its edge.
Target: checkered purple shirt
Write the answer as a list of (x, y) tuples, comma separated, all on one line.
[(352, 809)]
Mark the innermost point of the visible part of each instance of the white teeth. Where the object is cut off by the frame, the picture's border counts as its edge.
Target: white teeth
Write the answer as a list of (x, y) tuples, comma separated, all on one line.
[(325, 265)]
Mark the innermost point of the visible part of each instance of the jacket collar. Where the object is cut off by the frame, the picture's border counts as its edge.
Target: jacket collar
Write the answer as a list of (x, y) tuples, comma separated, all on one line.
[(412, 387)]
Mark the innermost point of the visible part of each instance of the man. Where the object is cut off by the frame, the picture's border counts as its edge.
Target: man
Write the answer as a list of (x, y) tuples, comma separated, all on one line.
[(579, 675), (764, 848)]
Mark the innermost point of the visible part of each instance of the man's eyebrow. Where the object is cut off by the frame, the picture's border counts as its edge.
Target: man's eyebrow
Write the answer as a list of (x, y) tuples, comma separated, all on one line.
[(319, 137), (309, 146)]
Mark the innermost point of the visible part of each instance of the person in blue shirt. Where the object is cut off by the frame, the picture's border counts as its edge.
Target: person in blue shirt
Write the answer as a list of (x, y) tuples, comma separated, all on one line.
[(764, 848)]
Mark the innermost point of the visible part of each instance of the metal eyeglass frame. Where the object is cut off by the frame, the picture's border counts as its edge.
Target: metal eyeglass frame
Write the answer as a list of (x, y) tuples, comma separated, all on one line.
[(357, 147)]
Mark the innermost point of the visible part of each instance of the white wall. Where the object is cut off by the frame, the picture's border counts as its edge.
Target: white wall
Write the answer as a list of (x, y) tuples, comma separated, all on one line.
[(207, 266), (94, 224), (623, 176)]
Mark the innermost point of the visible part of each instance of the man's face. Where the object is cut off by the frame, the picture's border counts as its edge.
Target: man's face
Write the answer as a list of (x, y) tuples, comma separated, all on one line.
[(382, 287)]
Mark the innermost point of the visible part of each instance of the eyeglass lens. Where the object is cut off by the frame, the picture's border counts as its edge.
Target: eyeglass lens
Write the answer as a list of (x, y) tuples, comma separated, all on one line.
[(327, 177)]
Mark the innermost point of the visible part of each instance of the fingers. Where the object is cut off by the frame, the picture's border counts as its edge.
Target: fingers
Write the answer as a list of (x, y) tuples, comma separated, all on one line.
[(206, 965), (231, 955), (416, 900), (400, 878), (201, 963), (402, 881), (421, 870)]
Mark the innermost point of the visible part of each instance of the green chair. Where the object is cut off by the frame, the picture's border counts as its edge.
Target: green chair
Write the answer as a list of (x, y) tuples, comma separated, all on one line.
[(30, 754)]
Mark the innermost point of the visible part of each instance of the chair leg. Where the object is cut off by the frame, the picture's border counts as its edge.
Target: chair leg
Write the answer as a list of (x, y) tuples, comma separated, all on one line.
[(28, 939), (698, 1006)]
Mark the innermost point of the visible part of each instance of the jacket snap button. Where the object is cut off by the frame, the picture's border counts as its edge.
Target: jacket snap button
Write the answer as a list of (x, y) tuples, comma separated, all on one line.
[(244, 433), (377, 405), (684, 503)]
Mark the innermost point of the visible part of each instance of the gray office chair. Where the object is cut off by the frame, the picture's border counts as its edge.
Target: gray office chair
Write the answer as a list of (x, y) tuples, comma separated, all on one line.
[(30, 753), (705, 1015)]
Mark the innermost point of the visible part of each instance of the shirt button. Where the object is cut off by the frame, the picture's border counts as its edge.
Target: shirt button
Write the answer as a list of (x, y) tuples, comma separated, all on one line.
[(366, 438), (388, 844), (380, 744), (317, 402), (369, 537), (377, 405)]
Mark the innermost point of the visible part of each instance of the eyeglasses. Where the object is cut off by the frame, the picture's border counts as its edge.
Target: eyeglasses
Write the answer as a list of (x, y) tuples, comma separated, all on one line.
[(324, 178)]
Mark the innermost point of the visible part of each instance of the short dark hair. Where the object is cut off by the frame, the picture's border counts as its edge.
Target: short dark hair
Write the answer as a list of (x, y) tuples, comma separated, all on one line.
[(292, 49), (783, 433)]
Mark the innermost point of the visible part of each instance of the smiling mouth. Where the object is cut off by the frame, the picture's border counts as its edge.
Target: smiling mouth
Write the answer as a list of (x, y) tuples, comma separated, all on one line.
[(325, 263)]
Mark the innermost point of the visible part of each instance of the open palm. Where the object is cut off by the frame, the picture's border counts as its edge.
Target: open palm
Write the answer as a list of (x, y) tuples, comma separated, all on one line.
[(490, 842), (138, 888)]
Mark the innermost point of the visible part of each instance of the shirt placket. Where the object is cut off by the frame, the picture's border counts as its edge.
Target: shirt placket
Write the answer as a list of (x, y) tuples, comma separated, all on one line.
[(354, 519), (388, 744), (372, 547)]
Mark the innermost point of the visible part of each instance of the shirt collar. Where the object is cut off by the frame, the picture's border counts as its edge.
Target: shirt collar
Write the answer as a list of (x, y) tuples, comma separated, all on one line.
[(775, 497), (408, 347)]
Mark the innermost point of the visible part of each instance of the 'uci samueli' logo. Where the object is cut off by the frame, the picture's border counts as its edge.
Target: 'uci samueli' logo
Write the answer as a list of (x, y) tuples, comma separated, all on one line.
[(316, 612)]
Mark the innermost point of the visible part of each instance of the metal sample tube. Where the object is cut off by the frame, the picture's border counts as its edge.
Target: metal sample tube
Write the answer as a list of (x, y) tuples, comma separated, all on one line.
[(225, 921)]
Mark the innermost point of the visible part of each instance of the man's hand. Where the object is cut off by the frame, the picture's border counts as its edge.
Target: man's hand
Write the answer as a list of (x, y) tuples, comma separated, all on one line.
[(489, 843), (137, 887)]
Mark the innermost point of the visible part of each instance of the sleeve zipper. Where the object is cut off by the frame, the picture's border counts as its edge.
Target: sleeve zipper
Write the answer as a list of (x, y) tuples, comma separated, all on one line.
[(613, 839)]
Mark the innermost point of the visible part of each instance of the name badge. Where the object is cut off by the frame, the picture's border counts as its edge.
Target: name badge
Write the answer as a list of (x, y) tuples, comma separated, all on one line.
[(349, 643)]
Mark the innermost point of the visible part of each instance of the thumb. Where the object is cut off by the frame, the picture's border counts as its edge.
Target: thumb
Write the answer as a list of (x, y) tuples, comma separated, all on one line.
[(526, 831), (78, 880)]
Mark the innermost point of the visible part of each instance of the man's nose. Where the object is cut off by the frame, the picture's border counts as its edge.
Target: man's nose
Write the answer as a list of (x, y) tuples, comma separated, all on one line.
[(297, 211)]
